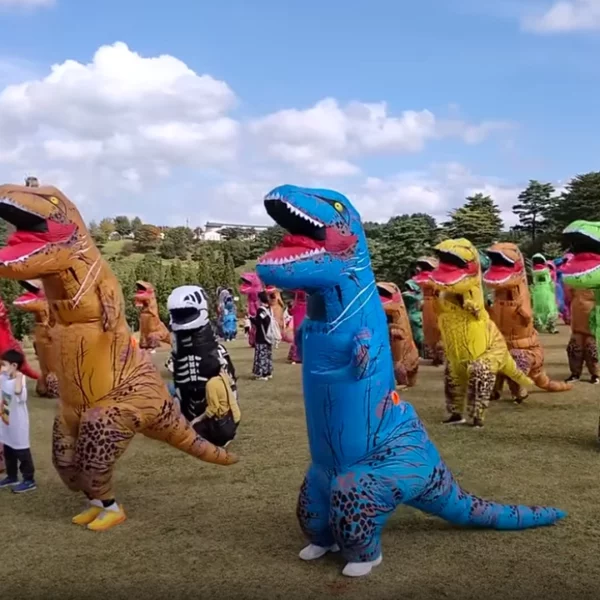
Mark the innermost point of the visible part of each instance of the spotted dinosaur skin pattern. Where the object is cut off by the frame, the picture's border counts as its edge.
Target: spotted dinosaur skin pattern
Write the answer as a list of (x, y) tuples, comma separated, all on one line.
[(511, 311), (476, 351), (433, 348), (404, 350), (582, 347), (543, 296), (109, 388), (153, 331), (369, 450), (251, 286), (34, 301)]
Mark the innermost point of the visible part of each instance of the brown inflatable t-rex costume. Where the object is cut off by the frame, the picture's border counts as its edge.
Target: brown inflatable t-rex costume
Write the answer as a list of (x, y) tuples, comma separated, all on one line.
[(512, 313), (277, 305), (152, 330), (404, 349), (109, 389), (34, 302), (434, 349), (582, 344)]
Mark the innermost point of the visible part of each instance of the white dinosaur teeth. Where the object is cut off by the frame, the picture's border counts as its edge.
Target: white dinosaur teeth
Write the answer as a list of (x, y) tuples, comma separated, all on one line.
[(296, 211), (288, 259)]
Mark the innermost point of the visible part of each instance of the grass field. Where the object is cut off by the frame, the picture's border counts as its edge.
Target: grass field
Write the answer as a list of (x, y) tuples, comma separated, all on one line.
[(202, 531)]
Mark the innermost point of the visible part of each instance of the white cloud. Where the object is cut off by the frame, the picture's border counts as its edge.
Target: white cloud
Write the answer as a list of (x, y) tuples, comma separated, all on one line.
[(565, 16), (326, 138), (127, 133)]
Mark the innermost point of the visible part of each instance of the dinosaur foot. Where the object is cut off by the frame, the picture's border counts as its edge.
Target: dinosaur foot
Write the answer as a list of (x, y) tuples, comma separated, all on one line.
[(312, 551), (361, 569)]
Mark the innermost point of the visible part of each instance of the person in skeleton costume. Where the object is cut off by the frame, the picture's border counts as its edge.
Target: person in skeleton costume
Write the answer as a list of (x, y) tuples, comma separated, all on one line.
[(210, 406)]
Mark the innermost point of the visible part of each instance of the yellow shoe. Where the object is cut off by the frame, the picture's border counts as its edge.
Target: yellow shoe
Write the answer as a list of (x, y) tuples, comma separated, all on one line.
[(107, 519), (87, 516)]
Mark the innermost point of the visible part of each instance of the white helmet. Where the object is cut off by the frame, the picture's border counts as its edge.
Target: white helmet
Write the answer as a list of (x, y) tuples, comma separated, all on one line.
[(188, 308)]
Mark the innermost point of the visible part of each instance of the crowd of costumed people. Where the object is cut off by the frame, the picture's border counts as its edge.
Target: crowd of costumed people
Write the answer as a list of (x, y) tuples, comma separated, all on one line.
[(357, 341)]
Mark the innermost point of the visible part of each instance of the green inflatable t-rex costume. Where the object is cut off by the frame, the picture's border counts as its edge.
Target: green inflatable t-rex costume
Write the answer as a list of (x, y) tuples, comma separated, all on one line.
[(413, 300), (543, 296)]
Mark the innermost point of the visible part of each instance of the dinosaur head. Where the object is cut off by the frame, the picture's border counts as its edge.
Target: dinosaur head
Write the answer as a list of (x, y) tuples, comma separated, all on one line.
[(425, 265), (34, 299), (507, 266), (49, 232), (582, 270), (458, 270), (540, 269), (250, 283), (388, 292), (144, 293), (325, 241)]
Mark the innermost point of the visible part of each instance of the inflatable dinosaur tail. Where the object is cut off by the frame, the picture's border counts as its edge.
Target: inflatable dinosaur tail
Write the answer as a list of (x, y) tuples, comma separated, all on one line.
[(513, 372), (28, 371), (172, 427), (545, 383), (461, 508)]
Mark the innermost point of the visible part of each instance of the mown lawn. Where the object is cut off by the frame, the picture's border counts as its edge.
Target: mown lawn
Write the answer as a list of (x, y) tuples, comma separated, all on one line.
[(201, 531)]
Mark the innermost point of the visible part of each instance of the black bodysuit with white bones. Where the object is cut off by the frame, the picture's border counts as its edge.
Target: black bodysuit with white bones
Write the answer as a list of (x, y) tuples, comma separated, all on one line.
[(196, 353)]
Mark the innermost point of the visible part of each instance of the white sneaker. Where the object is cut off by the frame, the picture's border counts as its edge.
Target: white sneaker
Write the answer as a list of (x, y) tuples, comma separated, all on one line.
[(361, 569), (312, 551)]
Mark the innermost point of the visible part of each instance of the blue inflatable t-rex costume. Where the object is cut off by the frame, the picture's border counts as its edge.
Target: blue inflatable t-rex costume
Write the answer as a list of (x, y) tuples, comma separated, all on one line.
[(370, 452)]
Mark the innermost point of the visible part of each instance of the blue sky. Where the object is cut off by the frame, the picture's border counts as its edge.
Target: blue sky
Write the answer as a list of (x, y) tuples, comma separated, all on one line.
[(464, 61)]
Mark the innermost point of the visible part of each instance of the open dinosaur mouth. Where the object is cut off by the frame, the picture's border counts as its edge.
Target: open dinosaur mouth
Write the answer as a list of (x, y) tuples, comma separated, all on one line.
[(501, 268), (585, 255), (33, 232), (246, 286), (307, 237), (32, 294), (386, 295), (423, 273), (452, 269)]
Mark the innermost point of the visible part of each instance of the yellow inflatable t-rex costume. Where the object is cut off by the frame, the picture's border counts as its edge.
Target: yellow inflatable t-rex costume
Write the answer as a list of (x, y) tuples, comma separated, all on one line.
[(152, 330), (109, 389), (475, 349)]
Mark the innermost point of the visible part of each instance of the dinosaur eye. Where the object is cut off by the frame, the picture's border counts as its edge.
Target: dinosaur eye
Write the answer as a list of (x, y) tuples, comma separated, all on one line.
[(338, 206), (54, 200)]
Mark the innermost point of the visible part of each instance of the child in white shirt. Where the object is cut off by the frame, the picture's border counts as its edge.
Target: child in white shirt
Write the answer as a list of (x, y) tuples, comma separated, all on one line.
[(14, 424)]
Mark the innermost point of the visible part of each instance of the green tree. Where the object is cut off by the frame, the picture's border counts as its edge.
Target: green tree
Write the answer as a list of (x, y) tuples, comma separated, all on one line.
[(176, 243), (97, 234), (268, 239), (147, 238), (107, 227), (580, 200), (533, 208), (402, 240), (229, 274), (136, 223), (122, 225), (478, 220), (552, 250)]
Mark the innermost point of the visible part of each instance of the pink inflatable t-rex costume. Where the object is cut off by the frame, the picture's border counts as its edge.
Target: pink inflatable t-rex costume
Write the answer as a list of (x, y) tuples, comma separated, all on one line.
[(297, 312), (250, 286)]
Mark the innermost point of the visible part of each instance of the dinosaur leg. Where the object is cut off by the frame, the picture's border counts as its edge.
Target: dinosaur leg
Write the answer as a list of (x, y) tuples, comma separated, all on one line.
[(590, 356), (400, 374), (438, 355), (498, 387), (551, 324), (363, 499), (64, 441), (455, 388), (412, 376), (524, 363), (575, 356), (52, 386), (41, 387), (481, 380), (313, 514), (104, 435)]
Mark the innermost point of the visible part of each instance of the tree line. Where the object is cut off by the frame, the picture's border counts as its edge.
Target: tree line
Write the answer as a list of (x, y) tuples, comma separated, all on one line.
[(177, 256)]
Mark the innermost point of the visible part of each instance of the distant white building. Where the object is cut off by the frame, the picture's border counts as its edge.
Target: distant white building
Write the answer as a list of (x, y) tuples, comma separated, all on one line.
[(212, 231)]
